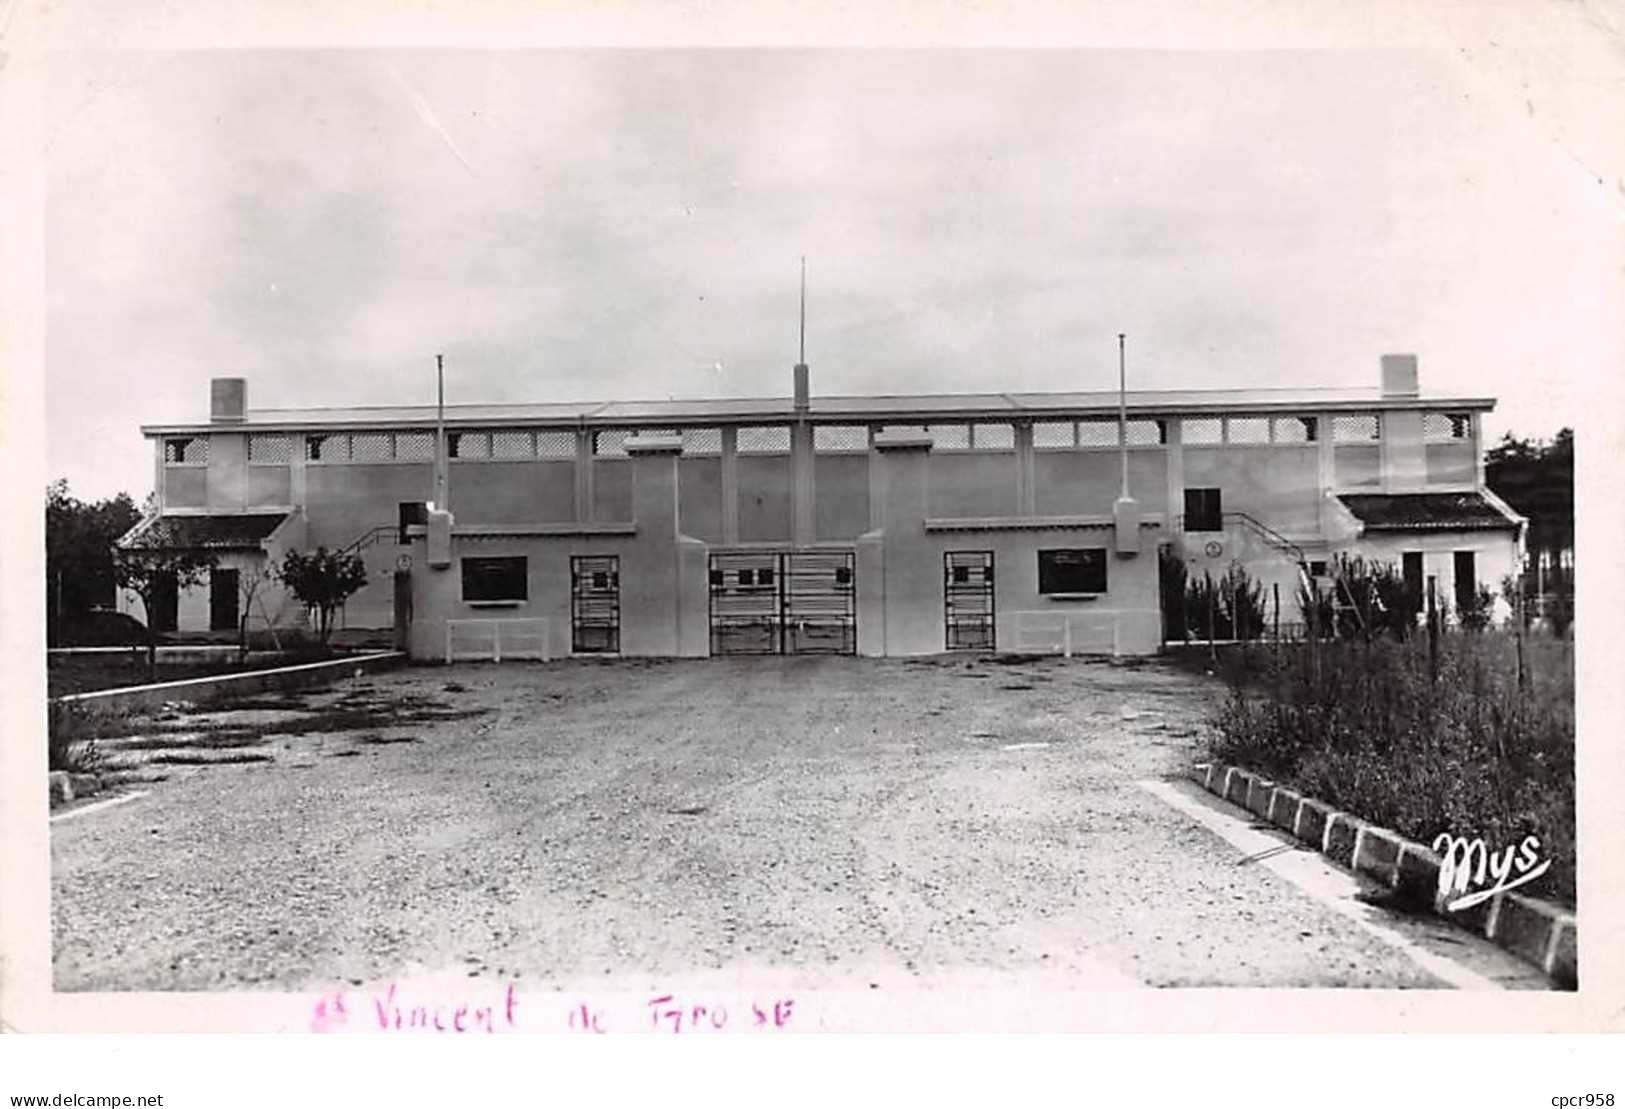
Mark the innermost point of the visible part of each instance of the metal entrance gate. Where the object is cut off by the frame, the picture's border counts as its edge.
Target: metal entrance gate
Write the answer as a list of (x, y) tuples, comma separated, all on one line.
[(595, 604), (783, 603), (967, 600)]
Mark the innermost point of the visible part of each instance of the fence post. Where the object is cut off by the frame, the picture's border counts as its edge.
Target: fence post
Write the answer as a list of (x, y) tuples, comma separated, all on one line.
[(1517, 626), (1433, 633), (1212, 614), (1275, 588)]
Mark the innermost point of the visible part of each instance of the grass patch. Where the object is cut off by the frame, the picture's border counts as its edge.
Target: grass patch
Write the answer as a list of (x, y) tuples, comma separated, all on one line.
[(1364, 727)]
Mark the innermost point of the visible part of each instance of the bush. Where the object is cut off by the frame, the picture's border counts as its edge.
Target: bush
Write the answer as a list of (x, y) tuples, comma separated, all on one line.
[(71, 740), (1171, 568), (1361, 726)]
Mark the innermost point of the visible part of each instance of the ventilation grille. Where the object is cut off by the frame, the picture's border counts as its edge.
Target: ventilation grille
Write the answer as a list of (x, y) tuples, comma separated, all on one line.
[(186, 452), (1249, 429), (1202, 432), (270, 450), (764, 440), (1354, 429), (840, 437)]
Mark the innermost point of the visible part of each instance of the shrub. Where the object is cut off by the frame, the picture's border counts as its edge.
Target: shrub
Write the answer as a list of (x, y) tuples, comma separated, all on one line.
[(71, 740), (1242, 598), (1171, 569), (1360, 725)]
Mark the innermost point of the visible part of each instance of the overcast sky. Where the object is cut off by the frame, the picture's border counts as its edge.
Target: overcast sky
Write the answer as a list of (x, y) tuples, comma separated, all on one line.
[(624, 225)]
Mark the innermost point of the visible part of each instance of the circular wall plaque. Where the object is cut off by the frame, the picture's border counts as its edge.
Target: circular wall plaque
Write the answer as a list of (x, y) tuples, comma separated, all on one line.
[(1214, 548)]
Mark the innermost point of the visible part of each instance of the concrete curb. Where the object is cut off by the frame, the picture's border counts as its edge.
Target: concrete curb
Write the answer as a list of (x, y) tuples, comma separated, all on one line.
[(231, 685), (1536, 931)]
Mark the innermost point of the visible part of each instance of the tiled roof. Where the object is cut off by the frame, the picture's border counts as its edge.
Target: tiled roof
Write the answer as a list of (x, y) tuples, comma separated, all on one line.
[(1425, 512), (903, 409), (237, 531)]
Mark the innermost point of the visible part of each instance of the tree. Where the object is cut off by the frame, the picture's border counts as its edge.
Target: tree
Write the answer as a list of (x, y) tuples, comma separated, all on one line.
[(1537, 479), (249, 584), (323, 580), (146, 571), (79, 540)]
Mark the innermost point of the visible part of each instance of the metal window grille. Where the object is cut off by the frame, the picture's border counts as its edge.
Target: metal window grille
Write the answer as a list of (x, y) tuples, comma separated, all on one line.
[(188, 451), (270, 450), (1354, 429), (993, 437), (950, 437), (1147, 433), (472, 444), (555, 444), (1203, 431), (1295, 429), (414, 446), (327, 448), (1441, 427), (510, 443), (1055, 435), (370, 447), (702, 440), (1249, 429), (1097, 433), (764, 440), (609, 442), (840, 437)]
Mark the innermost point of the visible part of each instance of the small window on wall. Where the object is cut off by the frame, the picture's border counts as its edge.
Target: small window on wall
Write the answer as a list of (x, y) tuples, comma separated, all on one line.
[(186, 452), (495, 579), (1073, 570), (1203, 511)]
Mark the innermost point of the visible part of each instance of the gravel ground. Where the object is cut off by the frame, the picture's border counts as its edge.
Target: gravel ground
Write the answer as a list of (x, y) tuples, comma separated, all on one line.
[(829, 821)]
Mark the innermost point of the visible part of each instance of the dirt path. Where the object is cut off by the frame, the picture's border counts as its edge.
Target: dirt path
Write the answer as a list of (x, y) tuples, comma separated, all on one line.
[(825, 821)]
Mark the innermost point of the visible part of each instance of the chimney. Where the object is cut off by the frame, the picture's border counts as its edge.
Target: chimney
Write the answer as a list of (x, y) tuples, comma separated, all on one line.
[(801, 387), (1399, 377), (228, 400)]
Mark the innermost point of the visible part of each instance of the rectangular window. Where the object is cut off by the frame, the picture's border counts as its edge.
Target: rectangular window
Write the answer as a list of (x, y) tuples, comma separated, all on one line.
[(1097, 433), (186, 452), (1203, 510), (1355, 429), (512, 444), (270, 450), (1202, 432), (1075, 570), (831, 438), (949, 437), (1295, 429), (555, 444), (993, 437), (1055, 436), (1445, 427), (495, 579), (414, 446), (327, 448), (411, 512), (1147, 433), (1248, 429), (610, 442), (702, 440), (764, 576), (1317, 568), (747, 577), (370, 447), (763, 440)]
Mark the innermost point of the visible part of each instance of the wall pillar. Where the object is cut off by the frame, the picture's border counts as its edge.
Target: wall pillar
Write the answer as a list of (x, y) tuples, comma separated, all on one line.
[(1174, 453), (651, 582), (1026, 473), (583, 506), (730, 486), (911, 577), (802, 492), (1326, 458)]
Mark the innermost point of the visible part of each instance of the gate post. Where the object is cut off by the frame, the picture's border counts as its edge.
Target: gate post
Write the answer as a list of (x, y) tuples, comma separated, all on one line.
[(403, 609)]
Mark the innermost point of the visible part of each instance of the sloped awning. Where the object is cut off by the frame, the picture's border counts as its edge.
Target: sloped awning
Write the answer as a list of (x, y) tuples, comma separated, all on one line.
[(240, 531), (1380, 512)]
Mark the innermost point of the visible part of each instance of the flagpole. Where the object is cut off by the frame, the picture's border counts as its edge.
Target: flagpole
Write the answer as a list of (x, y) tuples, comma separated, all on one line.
[(442, 464)]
